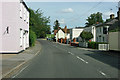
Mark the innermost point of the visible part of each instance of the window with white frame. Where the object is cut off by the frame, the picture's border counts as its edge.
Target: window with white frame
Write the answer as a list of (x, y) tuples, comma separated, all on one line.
[(21, 35)]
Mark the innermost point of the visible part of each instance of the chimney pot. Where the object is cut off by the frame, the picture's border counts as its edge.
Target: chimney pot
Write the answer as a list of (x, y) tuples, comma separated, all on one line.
[(112, 16)]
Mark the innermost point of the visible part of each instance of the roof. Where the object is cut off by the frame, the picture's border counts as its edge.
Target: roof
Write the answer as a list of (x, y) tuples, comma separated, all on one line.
[(111, 21), (55, 31), (79, 27), (25, 5), (108, 23)]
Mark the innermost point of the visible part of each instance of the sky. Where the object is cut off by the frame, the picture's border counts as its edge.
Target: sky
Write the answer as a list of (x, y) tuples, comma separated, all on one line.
[(73, 14)]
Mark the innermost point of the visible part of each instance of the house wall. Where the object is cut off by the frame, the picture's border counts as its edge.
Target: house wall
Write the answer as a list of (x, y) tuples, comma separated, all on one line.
[(91, 29), (24, 21), (56, 36), (0, 26), (100, 36), (68, 36), (74, 33), (114, 41), (11, 40), (61, 34)]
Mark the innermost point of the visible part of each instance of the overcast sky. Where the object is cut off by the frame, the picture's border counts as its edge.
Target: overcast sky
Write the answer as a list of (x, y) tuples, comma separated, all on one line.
[(73, 14)]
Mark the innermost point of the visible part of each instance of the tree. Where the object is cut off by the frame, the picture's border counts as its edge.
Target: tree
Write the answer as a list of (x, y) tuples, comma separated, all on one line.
[(39, 23), (56, 25), (86, 36), (32, 37), (94, 18)]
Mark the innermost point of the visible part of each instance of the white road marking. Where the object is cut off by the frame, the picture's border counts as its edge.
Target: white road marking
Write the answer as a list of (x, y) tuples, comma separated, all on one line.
[(102, 73), (82, 59), (37, 53), (20, 72), (71, 53)]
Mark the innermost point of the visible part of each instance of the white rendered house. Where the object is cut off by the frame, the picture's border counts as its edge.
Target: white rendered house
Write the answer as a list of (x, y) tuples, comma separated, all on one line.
[(15, 26), (75, 33), (91, 29)]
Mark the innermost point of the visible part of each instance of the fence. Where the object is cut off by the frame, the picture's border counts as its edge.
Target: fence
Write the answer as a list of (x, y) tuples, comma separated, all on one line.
[(104, 47)]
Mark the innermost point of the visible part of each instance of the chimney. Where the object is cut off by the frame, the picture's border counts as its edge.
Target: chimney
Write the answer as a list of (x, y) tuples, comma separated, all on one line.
[(112, 16), (97, 22), (65, 29), (59, 28)]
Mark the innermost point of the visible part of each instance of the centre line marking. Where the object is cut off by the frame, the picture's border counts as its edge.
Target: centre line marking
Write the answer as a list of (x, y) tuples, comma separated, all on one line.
[(71, 53), (102, 73), (82, 59)]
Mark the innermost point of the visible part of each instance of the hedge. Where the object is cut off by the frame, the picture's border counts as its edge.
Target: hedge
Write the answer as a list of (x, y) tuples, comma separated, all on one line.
[(94, 45), (32, 38)]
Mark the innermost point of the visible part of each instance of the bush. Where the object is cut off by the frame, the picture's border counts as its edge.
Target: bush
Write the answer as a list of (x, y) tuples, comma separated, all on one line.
[(94, 45), (32, 38)]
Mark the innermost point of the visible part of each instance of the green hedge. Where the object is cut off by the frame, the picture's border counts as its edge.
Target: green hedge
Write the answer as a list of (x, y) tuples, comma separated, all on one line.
[(94, 45), (32, 38)]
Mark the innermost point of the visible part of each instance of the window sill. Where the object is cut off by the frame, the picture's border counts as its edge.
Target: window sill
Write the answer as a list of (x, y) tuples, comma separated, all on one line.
[(21, 17)]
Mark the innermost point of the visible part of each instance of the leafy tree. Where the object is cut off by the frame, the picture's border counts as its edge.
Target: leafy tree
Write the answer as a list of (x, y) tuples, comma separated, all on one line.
[(32, 37), (56, 25), (86, 36), (39, 24), (94, 18)]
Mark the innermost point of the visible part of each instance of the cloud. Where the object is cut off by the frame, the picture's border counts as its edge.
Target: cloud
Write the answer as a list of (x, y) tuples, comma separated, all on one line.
[(68, 10), (62, 21)]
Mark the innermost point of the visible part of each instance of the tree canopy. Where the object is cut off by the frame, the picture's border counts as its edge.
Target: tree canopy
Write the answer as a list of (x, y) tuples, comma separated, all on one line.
[(94, 18), (56, 25), (86, 36), (39, 23)]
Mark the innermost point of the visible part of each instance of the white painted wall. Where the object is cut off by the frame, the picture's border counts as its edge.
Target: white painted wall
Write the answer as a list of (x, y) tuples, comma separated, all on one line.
[(0, 26), (74, 33), (61, 34), (56, 36), (91, 29), (11, 41), (114, 41), (100, 37), (68, 36)]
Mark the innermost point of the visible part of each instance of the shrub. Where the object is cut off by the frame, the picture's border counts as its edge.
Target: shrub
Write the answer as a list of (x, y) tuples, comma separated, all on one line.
[(32, 38), (94, 45)]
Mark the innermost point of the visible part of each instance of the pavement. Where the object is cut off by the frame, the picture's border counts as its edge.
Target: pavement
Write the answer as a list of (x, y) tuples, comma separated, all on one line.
[(12, 63), (60, 61)]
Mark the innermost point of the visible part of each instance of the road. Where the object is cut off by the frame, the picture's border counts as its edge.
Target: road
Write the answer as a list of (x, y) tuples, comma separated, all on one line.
[(63, 61)]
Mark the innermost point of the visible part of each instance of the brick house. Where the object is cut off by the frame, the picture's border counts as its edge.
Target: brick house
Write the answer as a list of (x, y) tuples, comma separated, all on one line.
[(62, 35)]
